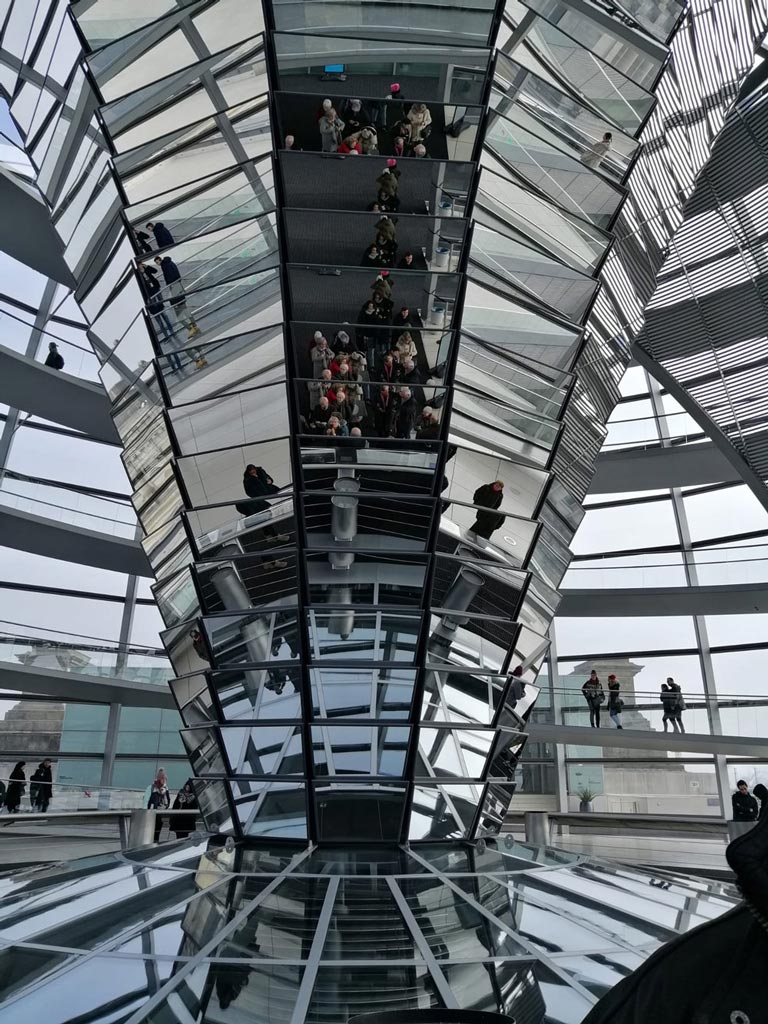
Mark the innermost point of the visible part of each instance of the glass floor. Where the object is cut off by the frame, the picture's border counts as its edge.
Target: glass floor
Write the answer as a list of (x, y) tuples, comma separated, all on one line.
[(202, 931)]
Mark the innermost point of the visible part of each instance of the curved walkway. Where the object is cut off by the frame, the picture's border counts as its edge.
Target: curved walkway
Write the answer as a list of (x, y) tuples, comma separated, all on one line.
[(54, 395)]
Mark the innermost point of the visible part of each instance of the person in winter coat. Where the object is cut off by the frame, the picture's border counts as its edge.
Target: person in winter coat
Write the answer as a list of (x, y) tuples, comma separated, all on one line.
[(419, 120), (257, 484), (142, 241), (429, 425), (355, 113), (156, 309), (593, 156), (367, 140), (162, 235), (594, 696), (54, 360), (385, 411), (385, 229), (183, 824), (331, 131), (16, 787), (41, 787), (489, 496), (172, 277), (350, 145), (405, 347), (407, 414), (373, 257), (679, 707), (387, 181), (615, 703), (744, 804), (159, 799), (382, 285), (668, 700), (713, 973), (321, 356)]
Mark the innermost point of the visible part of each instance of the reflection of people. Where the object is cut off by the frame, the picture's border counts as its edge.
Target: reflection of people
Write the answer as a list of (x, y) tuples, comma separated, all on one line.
[(199, 644), (162, 235), (489, 496), (257, 483), (744, 804), (183, 824), (593, 156)]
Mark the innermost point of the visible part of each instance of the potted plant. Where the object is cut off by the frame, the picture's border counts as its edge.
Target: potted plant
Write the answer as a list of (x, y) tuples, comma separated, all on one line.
[(586, 796)]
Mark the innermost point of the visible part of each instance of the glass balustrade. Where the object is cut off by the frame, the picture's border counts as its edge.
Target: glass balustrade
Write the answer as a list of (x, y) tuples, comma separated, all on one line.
[(66, 505), (61, 654)]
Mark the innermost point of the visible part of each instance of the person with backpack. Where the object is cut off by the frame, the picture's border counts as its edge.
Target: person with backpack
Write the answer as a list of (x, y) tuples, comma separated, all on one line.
[(54, 360), (615, 703), (594, 696), (679, 706), (669, 703)]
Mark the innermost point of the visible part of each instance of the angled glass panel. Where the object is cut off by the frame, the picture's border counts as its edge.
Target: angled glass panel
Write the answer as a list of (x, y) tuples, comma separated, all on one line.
[(362, 692), (458, 23)]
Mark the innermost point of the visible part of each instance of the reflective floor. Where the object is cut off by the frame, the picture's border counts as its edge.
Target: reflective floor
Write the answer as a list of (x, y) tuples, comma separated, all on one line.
[(195, 932)]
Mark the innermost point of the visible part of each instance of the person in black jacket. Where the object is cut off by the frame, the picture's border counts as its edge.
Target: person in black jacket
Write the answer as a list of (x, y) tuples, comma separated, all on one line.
[(489, 496), (162, 235), (16, 787), (744, 804), (183, 824), (54, 359), (41, 787), (257, 484), (178, 300), (407, 414), (142, 240)]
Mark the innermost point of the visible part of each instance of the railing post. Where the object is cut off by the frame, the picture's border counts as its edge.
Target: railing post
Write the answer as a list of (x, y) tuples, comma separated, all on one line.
[(537, 828), (141, 829)]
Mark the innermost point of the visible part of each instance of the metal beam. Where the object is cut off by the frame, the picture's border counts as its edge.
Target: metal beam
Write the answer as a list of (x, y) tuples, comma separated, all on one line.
[(651, 469), (741, 598), (694, 410)]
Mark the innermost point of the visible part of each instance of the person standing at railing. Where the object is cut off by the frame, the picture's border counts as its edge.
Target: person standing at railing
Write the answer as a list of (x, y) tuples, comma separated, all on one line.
[(16, 787), (744, 804), (159, 800), (183, 824), (615, 703), (594, 696), (669, 703), (679, 707), (41, 787)]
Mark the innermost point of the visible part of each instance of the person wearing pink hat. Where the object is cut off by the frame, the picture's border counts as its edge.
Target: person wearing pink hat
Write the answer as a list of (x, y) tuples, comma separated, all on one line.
[(388, 179)]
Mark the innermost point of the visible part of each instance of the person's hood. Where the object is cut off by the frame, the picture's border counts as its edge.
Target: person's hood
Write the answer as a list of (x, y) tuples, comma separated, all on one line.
[(748, 858)]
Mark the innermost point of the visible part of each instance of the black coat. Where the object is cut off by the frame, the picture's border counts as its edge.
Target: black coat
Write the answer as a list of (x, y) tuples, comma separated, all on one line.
[(715, 973), (183, 824), (55, 360), (488, 498), (744, 807), (256, 487), (170, 271), (41, 785), (16, 787), (162, 235)]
